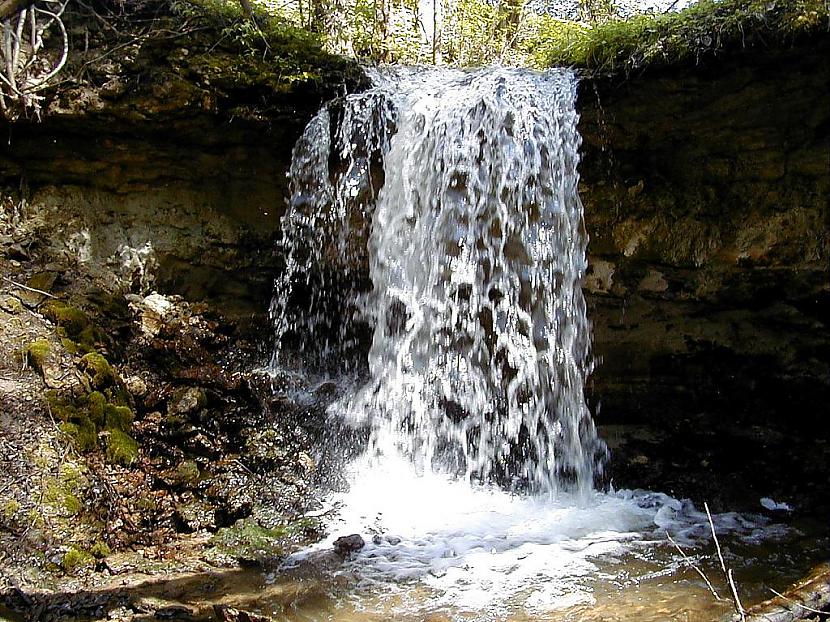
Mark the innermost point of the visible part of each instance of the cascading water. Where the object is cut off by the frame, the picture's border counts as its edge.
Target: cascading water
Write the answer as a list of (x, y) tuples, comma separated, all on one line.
[(458, 191), (476, 254)]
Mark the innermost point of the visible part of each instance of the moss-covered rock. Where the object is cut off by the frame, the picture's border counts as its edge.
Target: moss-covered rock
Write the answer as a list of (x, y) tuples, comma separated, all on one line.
[(99, 371), (117, 417), (121, 448), (83, 418), (70, 318), (36, 353), (247, 540), (82, 432)]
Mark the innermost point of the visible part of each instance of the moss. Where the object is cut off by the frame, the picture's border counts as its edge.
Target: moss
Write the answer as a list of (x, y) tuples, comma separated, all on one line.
[(117, 417), (99, 550), (187, 472), (121, 448), (62, 492), (96, 405), (76, 559), (100, 373), (623, 45), (70, 318), (69, 345), (36, 354), (10, 509), (249, 541), (74, 325), (59, 496), (82, 433), (83, 417), (10, 304)]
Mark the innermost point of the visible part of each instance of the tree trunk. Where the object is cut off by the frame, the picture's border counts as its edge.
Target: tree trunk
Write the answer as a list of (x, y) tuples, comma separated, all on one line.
[(11, 7), (247, 9)]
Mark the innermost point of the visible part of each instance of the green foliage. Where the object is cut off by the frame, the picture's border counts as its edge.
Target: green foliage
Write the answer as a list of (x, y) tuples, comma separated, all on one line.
[(270, 43), (660, 39), (472, 40)]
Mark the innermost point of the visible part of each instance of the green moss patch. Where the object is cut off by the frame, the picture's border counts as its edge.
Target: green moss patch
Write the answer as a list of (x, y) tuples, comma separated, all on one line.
[(246, 540), (121, 448), (99, 550), (83, 419), (73, 325), (663, 39), (99, 370), (76, 559), (36, 354)]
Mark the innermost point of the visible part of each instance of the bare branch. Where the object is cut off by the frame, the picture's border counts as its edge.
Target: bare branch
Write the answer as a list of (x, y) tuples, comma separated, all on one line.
[(693, 566), (739, 608)]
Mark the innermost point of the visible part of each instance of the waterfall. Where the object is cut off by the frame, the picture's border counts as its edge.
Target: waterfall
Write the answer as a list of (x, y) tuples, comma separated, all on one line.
[(437, 216), (465, 186)]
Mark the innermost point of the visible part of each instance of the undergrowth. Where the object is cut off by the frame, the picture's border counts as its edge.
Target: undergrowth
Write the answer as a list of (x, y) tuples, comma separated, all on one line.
[(625, 45), (292, 51)]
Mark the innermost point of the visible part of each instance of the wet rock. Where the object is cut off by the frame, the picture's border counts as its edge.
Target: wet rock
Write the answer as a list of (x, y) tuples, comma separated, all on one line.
[(155, 311), (187, 400), (194, 515), (306, 462), (136, 386), (348, 544), (224, 613), (174, 612)]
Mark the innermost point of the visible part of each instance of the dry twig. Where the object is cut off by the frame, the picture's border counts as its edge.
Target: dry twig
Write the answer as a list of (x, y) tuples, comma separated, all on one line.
[(739, 608), (27, 288), (695, 567)]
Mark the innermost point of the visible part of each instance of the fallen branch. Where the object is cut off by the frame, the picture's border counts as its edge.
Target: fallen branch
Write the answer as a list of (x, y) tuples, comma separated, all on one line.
[(27, 288), (803, 600)]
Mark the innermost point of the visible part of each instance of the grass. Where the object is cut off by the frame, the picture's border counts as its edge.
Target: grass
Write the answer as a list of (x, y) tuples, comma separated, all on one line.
[(710, 26)]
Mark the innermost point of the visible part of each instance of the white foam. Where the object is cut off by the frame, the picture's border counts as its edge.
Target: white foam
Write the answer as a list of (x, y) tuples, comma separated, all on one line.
[(479, 548)]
